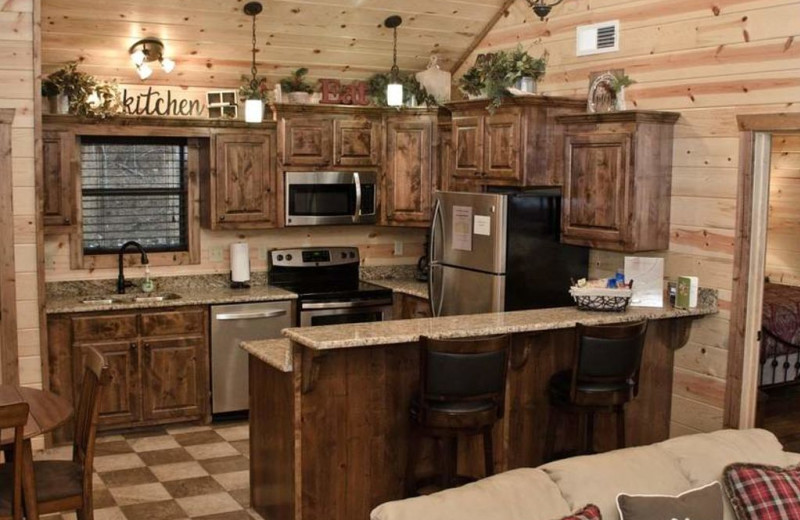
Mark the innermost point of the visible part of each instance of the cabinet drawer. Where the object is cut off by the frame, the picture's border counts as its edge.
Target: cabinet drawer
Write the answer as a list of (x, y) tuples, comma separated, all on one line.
[(174, 322), (104, 328)]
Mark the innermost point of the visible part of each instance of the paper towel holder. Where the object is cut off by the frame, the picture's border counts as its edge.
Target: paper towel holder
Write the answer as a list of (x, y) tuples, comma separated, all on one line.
[(239, 285), (240, 280)]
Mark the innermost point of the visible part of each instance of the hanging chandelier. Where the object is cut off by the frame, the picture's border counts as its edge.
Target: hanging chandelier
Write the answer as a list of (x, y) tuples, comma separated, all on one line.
[(148, 51), (394, 91), (542, 8), (254, 107)]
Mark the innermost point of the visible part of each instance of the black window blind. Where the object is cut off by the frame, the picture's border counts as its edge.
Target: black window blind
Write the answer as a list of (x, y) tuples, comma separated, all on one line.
[(133, 188)]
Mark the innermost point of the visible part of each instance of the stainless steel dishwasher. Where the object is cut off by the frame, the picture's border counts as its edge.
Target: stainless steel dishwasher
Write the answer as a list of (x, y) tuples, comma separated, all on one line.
[(230, 325)]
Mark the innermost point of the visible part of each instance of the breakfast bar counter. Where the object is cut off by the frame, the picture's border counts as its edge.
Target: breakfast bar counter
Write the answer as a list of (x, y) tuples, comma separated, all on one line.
[(329, 406)]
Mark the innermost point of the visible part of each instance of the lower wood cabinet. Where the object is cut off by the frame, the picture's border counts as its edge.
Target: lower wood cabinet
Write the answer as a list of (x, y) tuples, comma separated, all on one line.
[(158, 361), (407, 307)]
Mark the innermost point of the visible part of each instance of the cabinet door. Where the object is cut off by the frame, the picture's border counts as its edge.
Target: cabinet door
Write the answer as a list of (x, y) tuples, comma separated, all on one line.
[(57, 183), (119, 403), (408, 181), (502, 145), (356, 143), (595, 207), (467, 146), (245, 180), (306, 142), (174, 378)]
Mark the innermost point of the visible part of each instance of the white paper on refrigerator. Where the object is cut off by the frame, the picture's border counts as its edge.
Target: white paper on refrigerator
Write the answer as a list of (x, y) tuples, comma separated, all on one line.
[(647, 274), (462, 228), (483, 225)]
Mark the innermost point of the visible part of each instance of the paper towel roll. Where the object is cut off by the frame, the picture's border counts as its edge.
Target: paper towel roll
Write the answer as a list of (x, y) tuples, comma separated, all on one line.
[(240, 262)]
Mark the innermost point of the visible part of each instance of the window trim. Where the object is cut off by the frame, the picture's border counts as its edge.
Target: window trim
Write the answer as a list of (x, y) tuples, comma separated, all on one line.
[(79, 260)]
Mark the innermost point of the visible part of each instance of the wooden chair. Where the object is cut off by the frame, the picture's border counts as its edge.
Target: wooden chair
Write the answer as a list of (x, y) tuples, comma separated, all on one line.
[(12, 416), (604, 377), (461, 392), (67, 485)]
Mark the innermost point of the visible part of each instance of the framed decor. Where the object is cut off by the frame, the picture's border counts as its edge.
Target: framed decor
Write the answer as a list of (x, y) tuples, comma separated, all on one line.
[(223, 104)]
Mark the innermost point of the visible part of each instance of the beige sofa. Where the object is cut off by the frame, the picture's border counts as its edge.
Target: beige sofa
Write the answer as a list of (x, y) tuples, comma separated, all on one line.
[(554, 490)]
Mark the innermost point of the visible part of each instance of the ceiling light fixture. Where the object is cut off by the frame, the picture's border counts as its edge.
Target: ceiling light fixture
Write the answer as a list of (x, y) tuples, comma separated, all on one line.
[(542, 8), (394, 91), (253, 108), (147, 51)]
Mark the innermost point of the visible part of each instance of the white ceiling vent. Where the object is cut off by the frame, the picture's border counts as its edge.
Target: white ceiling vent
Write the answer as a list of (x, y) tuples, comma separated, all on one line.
[(598, 38)]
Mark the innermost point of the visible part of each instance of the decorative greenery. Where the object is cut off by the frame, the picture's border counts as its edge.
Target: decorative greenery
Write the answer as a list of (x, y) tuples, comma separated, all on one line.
[(259, 90), (621, 81), (87, 97), (296, 82), (494, 73), (412, 88)]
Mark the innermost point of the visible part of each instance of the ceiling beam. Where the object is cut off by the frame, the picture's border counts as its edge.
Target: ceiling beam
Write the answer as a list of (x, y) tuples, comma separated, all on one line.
[(478, 39)]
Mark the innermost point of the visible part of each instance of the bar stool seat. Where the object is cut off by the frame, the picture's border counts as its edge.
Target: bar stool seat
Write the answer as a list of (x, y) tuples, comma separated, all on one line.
[(462, 384), (587, 392)]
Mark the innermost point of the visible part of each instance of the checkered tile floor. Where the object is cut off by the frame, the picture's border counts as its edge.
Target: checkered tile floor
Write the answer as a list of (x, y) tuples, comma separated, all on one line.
[(170, 473)]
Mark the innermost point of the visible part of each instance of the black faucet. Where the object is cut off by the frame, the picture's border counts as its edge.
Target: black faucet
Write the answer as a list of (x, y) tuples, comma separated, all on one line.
[(121, 283)]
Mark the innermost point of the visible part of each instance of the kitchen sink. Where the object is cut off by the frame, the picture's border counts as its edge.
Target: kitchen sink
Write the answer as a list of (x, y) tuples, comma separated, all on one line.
[(131, 298)]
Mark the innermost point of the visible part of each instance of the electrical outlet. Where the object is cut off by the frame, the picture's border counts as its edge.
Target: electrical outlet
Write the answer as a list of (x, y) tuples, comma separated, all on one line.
[(217, 254), (263, 251), (398, 248), (49, 260)]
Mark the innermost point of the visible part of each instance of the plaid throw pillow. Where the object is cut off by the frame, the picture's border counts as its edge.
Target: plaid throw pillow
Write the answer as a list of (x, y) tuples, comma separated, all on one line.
[(589, 512), (760, 492)]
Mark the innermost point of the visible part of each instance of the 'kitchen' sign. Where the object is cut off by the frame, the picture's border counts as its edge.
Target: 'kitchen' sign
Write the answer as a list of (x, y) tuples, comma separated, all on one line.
[(160, 103)]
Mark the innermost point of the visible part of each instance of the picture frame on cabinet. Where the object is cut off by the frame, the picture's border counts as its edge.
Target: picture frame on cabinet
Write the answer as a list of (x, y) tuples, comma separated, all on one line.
[(601, 97)]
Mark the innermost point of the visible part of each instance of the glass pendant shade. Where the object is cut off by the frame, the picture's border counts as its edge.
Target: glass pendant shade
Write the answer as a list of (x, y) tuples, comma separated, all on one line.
[(167, 64), (394, 94), (253, 111), (138, 57), (144, 71)]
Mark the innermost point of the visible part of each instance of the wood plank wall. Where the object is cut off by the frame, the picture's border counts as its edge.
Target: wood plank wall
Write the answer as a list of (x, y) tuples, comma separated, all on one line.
[(710, 61), (17, 72), (783, 233)]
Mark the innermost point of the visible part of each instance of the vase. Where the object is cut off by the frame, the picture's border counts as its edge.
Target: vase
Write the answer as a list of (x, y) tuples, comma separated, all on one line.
[(526, 84), (299, 97), (619, 100), (58, 104)]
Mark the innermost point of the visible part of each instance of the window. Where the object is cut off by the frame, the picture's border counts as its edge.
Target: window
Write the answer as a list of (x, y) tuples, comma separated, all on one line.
[(134, 188)]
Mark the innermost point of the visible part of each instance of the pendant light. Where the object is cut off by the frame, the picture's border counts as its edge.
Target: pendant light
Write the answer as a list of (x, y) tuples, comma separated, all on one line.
[(253, 108), (542, 8), (394, 91)]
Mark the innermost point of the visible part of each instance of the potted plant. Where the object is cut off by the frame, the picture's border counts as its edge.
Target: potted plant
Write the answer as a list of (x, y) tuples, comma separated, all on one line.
[(296, 88), (526, 70), (254, 88), (472, 84), (617, 84), (74, 86), (414, 94), (494, 73)]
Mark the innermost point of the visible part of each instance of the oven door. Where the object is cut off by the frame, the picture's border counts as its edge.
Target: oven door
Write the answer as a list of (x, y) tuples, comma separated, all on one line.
[(340, 312), (330, 198)]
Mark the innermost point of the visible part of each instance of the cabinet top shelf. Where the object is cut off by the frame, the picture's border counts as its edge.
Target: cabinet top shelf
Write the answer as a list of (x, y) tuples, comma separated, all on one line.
[(625, 116), (519, 101)]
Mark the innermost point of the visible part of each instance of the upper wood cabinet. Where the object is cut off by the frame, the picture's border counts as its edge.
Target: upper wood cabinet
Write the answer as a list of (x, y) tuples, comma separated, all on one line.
[(356, 142), (57, 185), (617, 180), (306, 142), (240, 192), (518, 145), (408, 178)]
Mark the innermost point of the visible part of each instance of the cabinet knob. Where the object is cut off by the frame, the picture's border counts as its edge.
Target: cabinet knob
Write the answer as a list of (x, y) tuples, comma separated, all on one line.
[(147, 346), (67, 220), (134, 346), (222, 217)]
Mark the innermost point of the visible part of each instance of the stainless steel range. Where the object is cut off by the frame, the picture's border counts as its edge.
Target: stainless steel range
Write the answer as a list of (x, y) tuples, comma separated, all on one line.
[(328, 287)]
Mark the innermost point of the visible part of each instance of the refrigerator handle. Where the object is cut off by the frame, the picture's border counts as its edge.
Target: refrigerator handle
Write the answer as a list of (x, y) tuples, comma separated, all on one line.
[(438, 222), (435, 290)]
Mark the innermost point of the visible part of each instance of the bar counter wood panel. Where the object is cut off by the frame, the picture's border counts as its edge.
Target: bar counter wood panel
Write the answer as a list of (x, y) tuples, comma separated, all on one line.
[(329, 440)]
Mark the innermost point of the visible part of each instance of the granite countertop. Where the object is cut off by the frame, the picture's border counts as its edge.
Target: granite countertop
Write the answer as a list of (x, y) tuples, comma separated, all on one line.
[(188, 296), (410, 286), (409, 331), (277, 353)]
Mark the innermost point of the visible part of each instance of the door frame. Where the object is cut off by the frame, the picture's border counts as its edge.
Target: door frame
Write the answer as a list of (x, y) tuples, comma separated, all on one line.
[(752, 203), (9, 371)]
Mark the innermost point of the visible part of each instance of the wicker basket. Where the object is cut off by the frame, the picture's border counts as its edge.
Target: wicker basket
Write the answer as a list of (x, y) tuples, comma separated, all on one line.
[(598, 299)]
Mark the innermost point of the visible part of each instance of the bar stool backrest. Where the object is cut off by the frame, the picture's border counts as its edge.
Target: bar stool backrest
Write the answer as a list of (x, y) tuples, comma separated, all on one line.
[(609, 354), (96, 375)]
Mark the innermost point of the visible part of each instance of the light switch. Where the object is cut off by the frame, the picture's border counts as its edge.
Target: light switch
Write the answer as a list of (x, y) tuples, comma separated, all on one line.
[(217, 254)]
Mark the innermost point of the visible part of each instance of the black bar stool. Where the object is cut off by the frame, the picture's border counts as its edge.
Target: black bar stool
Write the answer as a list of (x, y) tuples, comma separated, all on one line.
[(462, 389), (604, 376)]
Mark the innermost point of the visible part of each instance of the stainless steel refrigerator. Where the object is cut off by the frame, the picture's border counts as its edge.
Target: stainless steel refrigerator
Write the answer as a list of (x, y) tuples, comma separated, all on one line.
[(500, 252)]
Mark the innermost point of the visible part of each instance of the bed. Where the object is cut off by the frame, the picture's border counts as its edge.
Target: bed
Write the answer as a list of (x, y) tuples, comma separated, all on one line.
[(780, 335)]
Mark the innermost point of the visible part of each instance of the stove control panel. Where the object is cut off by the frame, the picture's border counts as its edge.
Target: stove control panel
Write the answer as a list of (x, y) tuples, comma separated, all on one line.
[(313, 256)]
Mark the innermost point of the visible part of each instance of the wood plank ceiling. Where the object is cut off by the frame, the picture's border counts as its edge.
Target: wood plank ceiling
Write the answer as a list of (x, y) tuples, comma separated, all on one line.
[(210, 40)]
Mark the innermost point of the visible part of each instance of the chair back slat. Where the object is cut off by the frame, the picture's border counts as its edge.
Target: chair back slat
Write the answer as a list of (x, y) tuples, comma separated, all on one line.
[(15, 416), (608, 354), (96, 376), (464, 369)]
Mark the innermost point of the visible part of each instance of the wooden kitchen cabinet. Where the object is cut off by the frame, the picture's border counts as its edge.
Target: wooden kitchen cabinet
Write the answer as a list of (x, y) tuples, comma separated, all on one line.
[(241, 190), (306, 141), (356, 142), (57, 186), (518, 145), (408, 307), (617, 180), (408, 178), (158, 361)]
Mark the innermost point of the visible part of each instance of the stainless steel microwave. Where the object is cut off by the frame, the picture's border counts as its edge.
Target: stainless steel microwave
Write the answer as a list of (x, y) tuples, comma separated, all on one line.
[(330, 198)]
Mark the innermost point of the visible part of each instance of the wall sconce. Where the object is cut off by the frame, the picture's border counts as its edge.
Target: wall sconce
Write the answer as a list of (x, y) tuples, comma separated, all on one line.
[(542, 8), (394, 91), (147, 51)]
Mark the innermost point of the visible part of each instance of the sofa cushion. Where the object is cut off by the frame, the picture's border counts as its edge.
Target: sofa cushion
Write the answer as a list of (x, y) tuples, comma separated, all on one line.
[(701, 503), (598, 479), (759, 491), (521, 494)]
